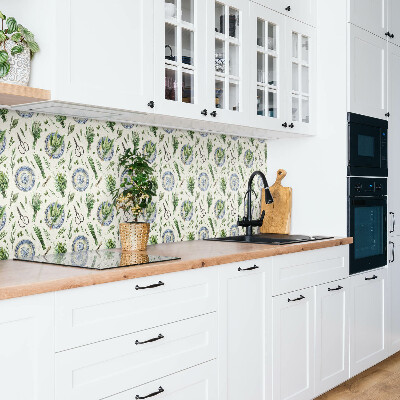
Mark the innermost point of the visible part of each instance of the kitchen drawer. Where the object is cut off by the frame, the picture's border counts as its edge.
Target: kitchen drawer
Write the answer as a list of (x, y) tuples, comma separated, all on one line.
[(198, 383), (301, 270), (90, 314), (105, 368)]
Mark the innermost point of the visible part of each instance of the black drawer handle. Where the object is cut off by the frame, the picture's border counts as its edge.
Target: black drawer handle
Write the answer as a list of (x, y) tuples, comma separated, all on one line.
[(159, 337), (248, 269), (160, 390), (298, 299), (372, 278), (333, 290), (150, 286), (393, 255)]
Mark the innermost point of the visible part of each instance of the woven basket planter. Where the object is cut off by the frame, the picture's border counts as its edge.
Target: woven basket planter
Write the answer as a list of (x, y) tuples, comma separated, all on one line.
[(133, 258), (134, 235)]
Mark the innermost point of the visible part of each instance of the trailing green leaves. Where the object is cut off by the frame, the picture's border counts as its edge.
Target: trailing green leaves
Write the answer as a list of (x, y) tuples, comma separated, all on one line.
[(3, 37), (16, 37), (12, 25), (4, 69), (17, 49), (2, 16), (3, 56)]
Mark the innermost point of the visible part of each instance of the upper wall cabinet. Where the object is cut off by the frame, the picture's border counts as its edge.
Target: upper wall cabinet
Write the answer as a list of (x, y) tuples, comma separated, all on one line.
[(302, 10), (393, 21), (367, 75)]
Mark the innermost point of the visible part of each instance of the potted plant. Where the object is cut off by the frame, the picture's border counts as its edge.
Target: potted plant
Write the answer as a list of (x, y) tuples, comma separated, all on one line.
[(17, 46), (136, 191)]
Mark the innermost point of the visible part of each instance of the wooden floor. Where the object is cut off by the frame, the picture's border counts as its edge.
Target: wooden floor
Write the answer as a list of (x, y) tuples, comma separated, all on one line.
[(381, 382)]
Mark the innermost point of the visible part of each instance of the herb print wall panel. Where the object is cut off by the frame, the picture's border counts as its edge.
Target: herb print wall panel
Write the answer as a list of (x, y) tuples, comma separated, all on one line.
[(57, 175)]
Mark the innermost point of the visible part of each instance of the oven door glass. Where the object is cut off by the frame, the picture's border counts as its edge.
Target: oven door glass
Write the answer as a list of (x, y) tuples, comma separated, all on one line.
[(368, 229), (365, 146)]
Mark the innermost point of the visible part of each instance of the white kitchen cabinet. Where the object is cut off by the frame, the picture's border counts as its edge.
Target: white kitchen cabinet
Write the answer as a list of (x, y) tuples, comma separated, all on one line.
[(293, 345), (393, 7), (332, 335), (367, 73), (394, 294), (368, 320), (27, 348), (197, 383), (242, 330), (394, 138)]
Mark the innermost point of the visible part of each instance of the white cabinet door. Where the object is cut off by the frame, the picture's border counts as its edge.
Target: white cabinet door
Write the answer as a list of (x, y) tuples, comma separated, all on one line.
[(367, 73), (180, 57), (300, 76), (105, 53), (393, 21), (268, 75), (394, 295), (242, 332), (228, 67), (27, 348), (332, 335), (293, 345), (394, 138), (368, 320), (369, 15)]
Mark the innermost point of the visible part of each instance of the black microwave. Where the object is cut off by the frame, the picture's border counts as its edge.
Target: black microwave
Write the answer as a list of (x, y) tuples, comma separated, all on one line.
[(367, 146)]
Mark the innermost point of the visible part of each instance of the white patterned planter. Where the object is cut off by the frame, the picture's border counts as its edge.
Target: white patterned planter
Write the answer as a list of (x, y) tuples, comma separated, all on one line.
[(20, 69)]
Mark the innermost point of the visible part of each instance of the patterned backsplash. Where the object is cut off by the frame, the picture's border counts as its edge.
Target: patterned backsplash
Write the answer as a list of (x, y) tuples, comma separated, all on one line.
[(57, 174)]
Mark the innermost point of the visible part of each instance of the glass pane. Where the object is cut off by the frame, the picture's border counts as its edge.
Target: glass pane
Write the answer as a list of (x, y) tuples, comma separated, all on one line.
[(295, 109), (170, 84), (219, 18), (366, 146), (188, 11), (260, 32), (305, 81), (219, 55), (260, 67), (273, 104), (305, 111), (187, 87), (295, 77), (272, 71), (187, 47), (170, 42), (304, 47), (219, 94), (170, 9), (233, 23), (233, 59), (260, 102), (234, 96), (271, 36), (295, 45)]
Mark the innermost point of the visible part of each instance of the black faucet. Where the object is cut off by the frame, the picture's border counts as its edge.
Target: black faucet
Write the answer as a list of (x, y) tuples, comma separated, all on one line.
[(247, 221)]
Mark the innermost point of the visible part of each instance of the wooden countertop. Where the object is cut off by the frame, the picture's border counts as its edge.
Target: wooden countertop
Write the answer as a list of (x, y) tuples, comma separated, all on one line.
[(19, 278)]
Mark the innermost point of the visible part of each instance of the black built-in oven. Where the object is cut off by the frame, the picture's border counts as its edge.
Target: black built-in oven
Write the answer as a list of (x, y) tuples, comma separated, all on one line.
[(367, 146), (367, 223)]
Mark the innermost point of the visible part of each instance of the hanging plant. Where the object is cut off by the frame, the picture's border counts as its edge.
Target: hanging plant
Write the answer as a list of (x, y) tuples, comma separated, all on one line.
[(15, 40)]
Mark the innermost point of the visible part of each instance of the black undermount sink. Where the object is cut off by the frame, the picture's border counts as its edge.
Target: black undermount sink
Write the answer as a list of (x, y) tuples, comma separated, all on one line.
[(272, 239)]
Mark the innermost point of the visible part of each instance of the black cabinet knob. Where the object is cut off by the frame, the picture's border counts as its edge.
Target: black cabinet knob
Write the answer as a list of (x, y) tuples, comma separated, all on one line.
[(288, 8), (291, 125), (387, 34), (204, 112), (150, 104), (213, 114), (284, 124), (390, 35), (387, 114)]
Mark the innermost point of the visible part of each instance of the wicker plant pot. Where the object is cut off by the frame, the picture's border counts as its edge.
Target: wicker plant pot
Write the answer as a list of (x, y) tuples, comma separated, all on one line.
[(133, 258), (134, 235)]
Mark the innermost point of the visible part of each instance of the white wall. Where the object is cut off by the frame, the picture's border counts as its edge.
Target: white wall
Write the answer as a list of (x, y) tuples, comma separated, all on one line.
[(317, 167)]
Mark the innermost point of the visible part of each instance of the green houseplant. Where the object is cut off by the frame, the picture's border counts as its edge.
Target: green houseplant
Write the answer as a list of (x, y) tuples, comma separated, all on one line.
[(134, 195), (17, 46)]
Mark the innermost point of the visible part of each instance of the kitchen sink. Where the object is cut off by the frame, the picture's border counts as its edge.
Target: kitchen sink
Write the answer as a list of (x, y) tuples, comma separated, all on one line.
[(272, 239)]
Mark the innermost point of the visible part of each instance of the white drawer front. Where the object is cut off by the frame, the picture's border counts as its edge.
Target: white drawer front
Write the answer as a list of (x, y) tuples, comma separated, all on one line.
[(90, 314), (301, 270), (102, 369), (198, 383)]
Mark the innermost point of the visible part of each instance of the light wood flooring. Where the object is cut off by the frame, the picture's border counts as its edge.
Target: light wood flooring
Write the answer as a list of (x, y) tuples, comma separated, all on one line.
[(381, 382)]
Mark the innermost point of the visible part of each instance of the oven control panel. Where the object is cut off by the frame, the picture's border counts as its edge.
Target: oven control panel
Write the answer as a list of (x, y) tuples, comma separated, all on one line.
[(367, 187)]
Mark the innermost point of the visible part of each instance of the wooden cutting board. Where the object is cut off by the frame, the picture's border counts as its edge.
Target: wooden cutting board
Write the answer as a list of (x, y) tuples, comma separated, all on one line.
[(278, 215)]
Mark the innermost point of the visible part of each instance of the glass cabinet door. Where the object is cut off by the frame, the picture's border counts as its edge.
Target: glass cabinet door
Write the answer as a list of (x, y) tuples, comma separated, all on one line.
[(267, 84), (180, 57)]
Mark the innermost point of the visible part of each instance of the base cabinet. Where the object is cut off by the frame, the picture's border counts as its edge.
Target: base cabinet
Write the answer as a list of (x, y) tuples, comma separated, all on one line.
[(332, 339), (27, 348), (394, 294), (369, 322)]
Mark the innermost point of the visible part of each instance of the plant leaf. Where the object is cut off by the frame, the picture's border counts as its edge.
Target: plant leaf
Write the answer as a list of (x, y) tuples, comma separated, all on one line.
[(28, 35), (4, 69), (12, 25), (2, 16), (16, 37), (3, 56), (3, 37), (33, 46), (17, 49)]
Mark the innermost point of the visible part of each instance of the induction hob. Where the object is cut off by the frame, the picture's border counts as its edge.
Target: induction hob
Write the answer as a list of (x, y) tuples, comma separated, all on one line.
[(98, 259)]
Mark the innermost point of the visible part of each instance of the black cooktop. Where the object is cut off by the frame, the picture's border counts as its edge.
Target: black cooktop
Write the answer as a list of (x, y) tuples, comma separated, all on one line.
[(98, 259)]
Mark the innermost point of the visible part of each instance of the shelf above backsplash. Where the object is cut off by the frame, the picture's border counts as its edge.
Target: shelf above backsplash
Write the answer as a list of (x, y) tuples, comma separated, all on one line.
[(12, 95)]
